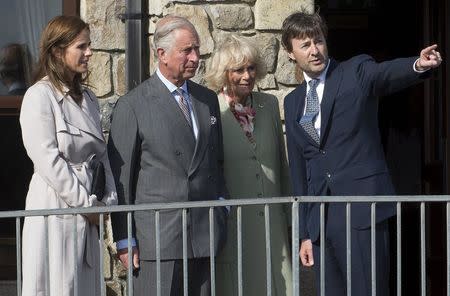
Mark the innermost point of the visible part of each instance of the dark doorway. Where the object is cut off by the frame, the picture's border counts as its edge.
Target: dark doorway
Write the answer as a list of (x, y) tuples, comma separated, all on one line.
[(412, 122)]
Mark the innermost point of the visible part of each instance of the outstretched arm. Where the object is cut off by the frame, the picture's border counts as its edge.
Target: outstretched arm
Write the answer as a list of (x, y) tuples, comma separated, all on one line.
[(429, 59)]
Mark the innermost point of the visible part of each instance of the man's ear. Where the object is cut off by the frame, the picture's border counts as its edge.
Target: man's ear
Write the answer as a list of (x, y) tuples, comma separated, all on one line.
[(162, 57), (291, 56)]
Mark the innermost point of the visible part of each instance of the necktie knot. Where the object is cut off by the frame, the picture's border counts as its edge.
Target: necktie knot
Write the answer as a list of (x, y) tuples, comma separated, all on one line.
[(313, 83), (184, 105)]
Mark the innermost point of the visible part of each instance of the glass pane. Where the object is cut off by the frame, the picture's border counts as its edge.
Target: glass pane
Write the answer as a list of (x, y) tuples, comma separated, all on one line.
[(21, 24)]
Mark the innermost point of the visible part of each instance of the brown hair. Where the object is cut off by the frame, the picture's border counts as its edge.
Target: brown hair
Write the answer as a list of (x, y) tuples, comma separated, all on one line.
[(301, 25), (60, 33)]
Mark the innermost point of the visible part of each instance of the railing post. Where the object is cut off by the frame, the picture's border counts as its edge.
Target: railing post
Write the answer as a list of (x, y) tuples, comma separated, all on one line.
[(19, 257), (101, 231), (348, 226), (130, 255), (268, 251), (185, 259), (211, 251), (399, 249), (239, 251), (295, 249), (322, 249)]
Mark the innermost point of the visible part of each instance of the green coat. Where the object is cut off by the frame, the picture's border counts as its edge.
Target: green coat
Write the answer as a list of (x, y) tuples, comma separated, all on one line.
[(250, 172)]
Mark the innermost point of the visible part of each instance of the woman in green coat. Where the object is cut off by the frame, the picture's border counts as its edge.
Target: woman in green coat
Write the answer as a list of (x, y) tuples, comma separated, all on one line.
[(255, 166)]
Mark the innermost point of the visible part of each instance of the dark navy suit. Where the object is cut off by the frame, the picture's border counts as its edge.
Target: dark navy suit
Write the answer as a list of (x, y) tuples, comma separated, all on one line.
[(348, 161)]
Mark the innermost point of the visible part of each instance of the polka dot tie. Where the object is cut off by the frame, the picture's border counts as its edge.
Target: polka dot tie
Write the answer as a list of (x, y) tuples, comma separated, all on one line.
[(312, 109)]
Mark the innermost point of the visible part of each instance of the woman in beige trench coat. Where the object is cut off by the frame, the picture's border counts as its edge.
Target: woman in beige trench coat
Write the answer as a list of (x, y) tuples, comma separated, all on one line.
[(255, 166), (61, 131)]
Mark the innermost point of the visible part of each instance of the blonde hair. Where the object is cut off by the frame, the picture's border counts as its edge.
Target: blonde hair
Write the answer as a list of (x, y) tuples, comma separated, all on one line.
[(233, 52)]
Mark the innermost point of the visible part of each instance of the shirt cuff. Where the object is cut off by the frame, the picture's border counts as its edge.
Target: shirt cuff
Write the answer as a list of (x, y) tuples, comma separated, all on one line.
[(123, 243), (415, 69)]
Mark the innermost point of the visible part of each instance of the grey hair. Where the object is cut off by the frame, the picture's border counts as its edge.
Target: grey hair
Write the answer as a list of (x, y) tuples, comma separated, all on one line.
[(165, 28)]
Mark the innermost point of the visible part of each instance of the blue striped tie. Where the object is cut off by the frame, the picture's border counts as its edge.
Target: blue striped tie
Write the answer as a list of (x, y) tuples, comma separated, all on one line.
[(312, 110)]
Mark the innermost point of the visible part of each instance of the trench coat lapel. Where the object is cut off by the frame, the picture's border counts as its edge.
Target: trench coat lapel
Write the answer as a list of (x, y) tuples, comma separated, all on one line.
[(74, 115)]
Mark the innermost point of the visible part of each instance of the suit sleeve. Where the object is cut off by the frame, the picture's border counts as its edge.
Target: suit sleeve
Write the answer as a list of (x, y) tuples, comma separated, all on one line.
[(37, 121), (297, 166), (123, 156), (387, 77), (222, 189)]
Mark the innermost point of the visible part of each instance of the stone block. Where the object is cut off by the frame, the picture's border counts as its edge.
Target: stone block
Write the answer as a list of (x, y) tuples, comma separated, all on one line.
[(120, 87), (286, 69), (107, 31), (100, 76), (231, 17), (280, 94), (269, 14), (267, 82), (199, 18), (268, 47)]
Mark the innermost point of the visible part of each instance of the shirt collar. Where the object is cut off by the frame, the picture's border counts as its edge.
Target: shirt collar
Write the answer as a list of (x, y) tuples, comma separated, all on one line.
[(321, 76), (170, 86)]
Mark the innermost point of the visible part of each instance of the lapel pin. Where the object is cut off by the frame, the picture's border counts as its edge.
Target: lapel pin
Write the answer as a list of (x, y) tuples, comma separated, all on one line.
[(213, 120)]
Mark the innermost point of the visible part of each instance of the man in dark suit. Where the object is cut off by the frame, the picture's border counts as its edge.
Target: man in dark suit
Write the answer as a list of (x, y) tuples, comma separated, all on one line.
[(334, 148), (166, 146)]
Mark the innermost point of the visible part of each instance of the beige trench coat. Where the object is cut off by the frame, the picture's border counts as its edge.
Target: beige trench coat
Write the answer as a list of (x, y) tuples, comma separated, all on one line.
[(250, 172), (60, 137)]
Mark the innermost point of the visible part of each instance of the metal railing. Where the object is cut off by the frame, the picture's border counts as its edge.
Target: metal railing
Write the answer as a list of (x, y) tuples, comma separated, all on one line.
[(294, 201)]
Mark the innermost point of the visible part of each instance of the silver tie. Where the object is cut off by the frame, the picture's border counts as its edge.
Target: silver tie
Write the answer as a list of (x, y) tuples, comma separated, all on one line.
[(312, 110), (184, 106)]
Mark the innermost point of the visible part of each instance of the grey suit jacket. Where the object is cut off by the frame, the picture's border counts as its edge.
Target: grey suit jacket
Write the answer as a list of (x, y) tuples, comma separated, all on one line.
[(155, 158)]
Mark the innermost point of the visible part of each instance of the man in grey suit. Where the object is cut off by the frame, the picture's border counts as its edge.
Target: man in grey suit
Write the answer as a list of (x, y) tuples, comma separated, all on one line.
[(165, 145)]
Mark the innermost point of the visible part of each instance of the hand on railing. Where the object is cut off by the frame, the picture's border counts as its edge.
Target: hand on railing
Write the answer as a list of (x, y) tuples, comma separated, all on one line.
[(122, 254), (94, 218), (306, 252)]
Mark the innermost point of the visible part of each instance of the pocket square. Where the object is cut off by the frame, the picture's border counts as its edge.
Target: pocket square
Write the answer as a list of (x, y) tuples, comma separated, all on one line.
[(213, 120)]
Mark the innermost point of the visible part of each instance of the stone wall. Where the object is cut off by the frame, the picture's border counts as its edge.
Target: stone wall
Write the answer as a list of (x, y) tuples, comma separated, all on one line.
[(260, 20)]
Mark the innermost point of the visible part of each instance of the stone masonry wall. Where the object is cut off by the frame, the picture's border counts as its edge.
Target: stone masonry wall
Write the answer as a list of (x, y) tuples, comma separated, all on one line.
[(258, 19)]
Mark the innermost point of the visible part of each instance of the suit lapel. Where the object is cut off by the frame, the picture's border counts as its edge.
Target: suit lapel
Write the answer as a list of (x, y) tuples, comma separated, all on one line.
[(74, 115), (332, 83), (203, 119)]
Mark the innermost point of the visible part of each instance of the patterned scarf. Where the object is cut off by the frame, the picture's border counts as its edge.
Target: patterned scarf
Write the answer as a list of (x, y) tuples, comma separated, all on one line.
[(243, 114)]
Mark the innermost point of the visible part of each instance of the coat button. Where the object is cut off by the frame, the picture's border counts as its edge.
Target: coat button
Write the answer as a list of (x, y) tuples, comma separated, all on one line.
[(259, 194), (328, 175), (177, 152), (261, 214), (257, 176), (254, 157), (323, 152)]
